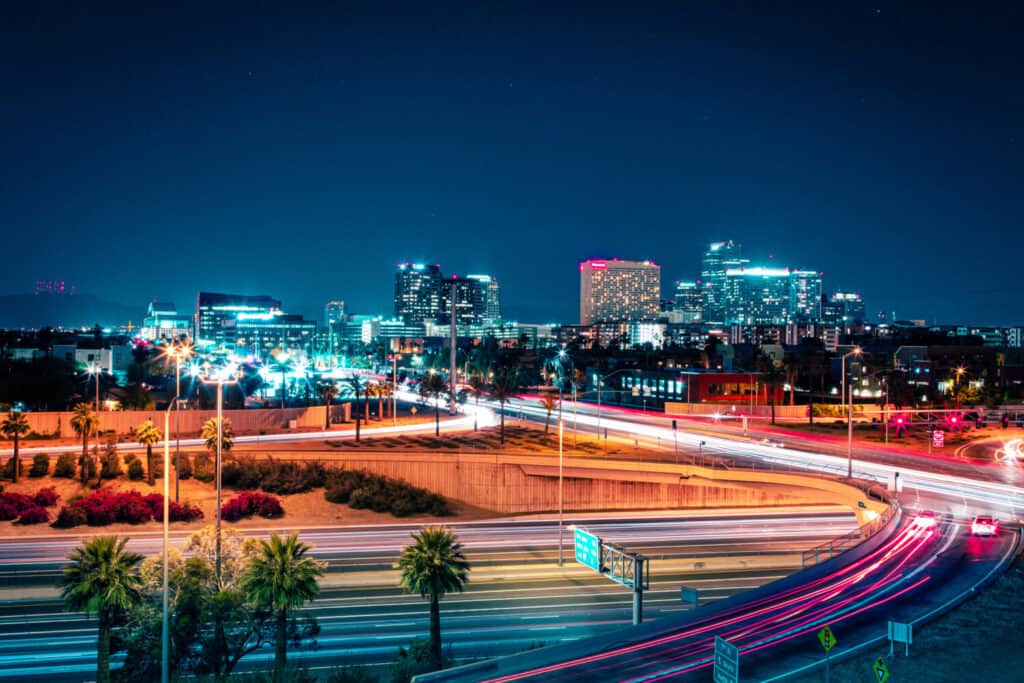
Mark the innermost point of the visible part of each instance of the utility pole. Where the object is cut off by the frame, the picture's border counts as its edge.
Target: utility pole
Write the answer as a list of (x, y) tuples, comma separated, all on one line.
[(451, 402)]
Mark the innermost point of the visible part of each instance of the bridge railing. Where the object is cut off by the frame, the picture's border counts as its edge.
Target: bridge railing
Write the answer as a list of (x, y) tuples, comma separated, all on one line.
[(829, 549)]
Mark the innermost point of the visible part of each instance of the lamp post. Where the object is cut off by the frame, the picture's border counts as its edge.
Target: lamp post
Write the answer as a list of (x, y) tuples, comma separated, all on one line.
[(178, 352), (842, 390), (222, 377), (165, 628), (600, 382), (95, 369), (572, 375), (394, 390), (849, 418), (282, 358), (956, 385), (560, 481)]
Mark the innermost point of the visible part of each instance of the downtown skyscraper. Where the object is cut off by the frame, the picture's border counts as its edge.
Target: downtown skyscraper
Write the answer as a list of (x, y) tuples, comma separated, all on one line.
[(418, 292), (614, 290)]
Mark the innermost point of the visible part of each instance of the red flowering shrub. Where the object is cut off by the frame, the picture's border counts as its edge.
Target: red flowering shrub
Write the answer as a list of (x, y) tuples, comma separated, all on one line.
[(130, 507), (19, 500), (8, 511), (249, 503), (34, 515), (184, 513), (46, 497)]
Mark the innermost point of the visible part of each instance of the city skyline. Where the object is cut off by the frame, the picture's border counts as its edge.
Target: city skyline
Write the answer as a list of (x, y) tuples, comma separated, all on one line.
[(284, 160)]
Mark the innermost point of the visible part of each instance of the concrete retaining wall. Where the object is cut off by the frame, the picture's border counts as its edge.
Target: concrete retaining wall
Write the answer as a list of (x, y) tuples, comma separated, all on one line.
[(242, 421)]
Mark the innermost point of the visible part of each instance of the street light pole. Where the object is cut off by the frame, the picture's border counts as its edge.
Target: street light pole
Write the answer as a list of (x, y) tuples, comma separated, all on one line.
[(849, 438), (394, 390), (842, 380), (560, 481), (165, 628)]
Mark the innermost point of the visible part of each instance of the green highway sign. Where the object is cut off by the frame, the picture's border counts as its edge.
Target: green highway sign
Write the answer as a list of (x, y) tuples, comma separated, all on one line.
[(588, 549), (825, 637), (881, 671)]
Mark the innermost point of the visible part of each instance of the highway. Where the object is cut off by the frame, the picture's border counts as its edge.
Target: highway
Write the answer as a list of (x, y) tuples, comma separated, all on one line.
[(918, 569), (517, 598)]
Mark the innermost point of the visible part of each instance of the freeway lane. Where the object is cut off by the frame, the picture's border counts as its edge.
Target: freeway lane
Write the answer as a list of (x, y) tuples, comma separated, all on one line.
[(911, 573), (517, 597)]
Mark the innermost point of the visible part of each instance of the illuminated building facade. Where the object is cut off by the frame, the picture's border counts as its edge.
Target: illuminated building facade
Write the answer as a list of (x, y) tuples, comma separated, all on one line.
[(492, 297), (470, 301), (756, 296), (805, 295), (214, 309), (717, 261), (688, 301), (163, 322), (616, 290), (843, 308), (261, 333), (418, 292)]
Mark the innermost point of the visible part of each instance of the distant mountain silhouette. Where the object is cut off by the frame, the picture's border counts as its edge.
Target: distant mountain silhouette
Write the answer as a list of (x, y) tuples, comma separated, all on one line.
[(65, 310)]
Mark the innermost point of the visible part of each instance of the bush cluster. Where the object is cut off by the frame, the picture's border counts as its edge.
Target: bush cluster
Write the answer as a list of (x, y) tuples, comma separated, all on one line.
[(131, 507), (40, 466), (27, 509), (249, 503), (67, 465), (203, 468), (363, 490), (136, 471), (185, 470), (272, 476), (110, 467)]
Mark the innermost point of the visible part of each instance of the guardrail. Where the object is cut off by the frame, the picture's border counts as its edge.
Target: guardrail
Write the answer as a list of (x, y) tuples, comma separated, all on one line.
[(829, 549)]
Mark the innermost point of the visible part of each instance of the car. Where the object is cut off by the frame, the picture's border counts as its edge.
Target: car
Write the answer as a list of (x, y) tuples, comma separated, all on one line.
[(983, 525), (924, 519)]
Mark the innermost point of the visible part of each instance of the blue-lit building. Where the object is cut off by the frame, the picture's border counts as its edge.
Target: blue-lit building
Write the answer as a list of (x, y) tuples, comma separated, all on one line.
[(418, 292)]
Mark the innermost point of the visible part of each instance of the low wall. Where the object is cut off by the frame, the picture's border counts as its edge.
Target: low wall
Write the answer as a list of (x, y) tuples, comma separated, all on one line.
[(512, 484), (738, 409), (253, 421)]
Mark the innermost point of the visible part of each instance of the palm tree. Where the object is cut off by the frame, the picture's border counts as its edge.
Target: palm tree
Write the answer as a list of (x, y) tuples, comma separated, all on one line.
[(372, 391), (504, 384), (102, 578), (355, 382), (209, 434), (434, 566), (148, 435), (329, 391), (477, 384), (85, 422), (280, 577), (548, 402), (13, 427), (432, 386)]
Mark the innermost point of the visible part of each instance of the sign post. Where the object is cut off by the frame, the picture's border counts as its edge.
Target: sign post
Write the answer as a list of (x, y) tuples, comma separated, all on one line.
[(828, 641), (629, 569), (727, 661), (938, 438), (880, 670), (588, 549), (900, 633), (689, 596)]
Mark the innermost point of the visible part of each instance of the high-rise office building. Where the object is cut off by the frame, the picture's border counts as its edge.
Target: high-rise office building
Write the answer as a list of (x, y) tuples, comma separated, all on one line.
[(756, 296), (162, 321), (618, 290), (213, 310), (470, 301), (719, 258), (843, 308), (805, 295), (492, 297), (688, 301), (334, 313), (418, 292)]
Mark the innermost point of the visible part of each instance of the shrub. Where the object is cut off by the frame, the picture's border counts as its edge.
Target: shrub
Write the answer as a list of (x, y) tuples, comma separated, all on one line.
[(184, 513), (111, 466), (133, 509), (249, 503), (66, 466), (70, 516), (360, 499), (362, 490), (34, 515), (45, 497), (135, 470), (19, 501), (8, 511), (203, 468), (40, 466), (185, 468)]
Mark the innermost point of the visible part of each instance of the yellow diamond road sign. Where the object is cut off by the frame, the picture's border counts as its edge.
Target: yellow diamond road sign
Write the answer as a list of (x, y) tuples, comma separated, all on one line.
[(881, 671), (827, 640)]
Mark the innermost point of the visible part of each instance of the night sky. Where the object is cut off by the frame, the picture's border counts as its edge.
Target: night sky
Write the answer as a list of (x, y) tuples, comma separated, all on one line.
[(152, 152)]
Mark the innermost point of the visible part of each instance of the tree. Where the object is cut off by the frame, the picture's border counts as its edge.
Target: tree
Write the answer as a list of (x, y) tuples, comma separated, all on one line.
[(102, 578), (792, 370), (148, 435), (328, 391), (433, 386), (209, 434), (772, 377), (356, 384), (477, 385), (372, 391), (85, 422), (14, 426), (433, 566), (548, 402), (280, 578), (504, 384), (136, 397)]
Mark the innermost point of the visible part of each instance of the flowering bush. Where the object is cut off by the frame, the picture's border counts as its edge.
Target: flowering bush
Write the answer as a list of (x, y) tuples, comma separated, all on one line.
[(8, 511), (34, 515), (45, 497), (19, 501), (131, 507), (249, 503)]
